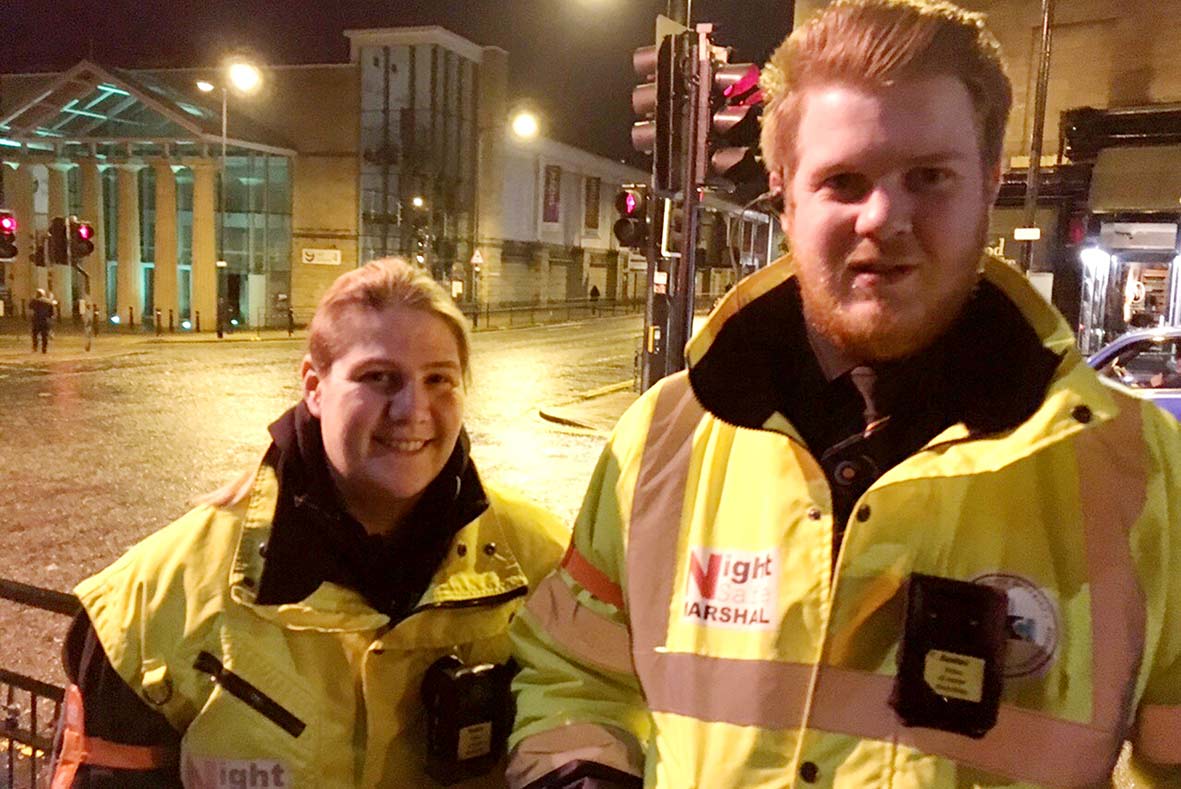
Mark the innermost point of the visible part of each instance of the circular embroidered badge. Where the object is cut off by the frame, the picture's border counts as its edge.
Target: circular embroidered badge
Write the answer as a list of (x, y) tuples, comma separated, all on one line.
[(1033, 625)]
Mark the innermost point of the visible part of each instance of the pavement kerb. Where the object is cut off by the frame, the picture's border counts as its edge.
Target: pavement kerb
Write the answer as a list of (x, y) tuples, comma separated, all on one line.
[(551, 413)]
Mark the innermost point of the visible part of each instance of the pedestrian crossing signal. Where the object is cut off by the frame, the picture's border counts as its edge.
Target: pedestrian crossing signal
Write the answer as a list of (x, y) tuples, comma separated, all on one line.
[(7, 235), (631, 229), (81, 238)]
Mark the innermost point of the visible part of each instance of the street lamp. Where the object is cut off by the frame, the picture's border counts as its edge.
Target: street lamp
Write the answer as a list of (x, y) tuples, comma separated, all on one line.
[(525, 125), (244, 78)]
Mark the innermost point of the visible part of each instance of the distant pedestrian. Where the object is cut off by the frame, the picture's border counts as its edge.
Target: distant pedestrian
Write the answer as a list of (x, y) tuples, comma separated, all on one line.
[(594, 299), (87, 321), (42, 318)]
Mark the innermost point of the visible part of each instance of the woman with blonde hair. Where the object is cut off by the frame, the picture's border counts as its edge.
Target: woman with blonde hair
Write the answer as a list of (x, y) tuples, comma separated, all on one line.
[(338, 616)]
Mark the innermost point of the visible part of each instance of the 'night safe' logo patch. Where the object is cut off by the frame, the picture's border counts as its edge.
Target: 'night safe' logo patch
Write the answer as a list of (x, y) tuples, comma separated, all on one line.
[(732, 589)]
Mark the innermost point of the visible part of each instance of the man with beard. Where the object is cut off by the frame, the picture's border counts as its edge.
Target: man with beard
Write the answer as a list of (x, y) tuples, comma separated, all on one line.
[(888, 529)]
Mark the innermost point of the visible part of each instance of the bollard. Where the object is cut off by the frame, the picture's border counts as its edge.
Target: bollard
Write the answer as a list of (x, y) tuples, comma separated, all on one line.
[(159, 326), (290, 322), (131, 317), (171, 327), (197, 320)]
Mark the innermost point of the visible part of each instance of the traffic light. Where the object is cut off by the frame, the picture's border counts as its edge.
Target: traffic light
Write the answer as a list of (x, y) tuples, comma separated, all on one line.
[(736, 103), (7, 235), (631, 229), (81, 238), (658, 131), (58, 240)]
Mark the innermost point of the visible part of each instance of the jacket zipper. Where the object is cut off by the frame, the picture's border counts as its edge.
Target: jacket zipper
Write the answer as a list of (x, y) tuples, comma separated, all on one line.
[(474, 602), (248, 694)]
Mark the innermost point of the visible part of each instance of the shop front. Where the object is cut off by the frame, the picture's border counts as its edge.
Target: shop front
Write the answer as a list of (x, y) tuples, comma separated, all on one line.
[(1130, 265)]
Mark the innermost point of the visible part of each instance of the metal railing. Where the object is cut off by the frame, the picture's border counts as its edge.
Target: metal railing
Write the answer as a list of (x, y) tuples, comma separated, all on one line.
[(31, 707), (506, 316)]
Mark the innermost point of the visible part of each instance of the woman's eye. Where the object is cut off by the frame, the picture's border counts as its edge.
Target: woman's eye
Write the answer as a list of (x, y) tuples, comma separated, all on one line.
[(847, 187), (380, 378), (926, 179)]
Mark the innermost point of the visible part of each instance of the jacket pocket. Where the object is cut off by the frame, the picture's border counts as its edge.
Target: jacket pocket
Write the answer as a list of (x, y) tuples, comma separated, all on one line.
[(254, 698)]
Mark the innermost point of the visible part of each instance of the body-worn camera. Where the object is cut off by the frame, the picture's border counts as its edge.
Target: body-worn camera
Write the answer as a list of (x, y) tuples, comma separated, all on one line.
[(469, 714), (951, 662)]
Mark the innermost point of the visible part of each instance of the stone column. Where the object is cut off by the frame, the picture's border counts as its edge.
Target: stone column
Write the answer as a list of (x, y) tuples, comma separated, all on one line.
[(166, 238), (615, 266), (59, 205), (491, 114), (18, 189), (541, 260), (91, 183), (128, 276), (580, 268), (204, 279)]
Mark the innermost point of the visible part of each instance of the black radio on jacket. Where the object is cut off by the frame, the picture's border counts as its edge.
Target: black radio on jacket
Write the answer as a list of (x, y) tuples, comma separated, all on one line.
[(469, 714)]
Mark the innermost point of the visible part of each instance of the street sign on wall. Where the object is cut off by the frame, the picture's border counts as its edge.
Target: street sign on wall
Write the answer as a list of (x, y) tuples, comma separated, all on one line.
[(320, 257)]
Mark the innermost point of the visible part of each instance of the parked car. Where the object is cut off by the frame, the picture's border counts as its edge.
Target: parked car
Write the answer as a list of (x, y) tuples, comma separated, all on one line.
[(1148, 361)]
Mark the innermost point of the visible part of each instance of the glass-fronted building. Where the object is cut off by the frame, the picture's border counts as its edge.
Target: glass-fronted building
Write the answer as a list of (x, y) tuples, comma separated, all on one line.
[(418, 145)]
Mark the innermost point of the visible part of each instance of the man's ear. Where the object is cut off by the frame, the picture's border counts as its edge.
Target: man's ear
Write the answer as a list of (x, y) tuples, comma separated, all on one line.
[(778, 187), (992, 185), (310, 381)]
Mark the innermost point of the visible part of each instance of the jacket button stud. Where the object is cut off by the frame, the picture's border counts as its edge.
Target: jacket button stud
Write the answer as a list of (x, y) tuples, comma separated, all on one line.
[(490, 549), (248, 582), (863, 513), (262, 549), (846, 472), (461, 549), (809, 772), (814, 513), (1082, 414)]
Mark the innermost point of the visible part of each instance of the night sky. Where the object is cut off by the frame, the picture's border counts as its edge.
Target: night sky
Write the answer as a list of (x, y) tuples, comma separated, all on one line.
[(569, 58)]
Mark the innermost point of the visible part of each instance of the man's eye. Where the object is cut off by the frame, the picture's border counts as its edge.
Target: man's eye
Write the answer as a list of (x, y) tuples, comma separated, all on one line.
[(847, 187), (442, 379), (926, 179)]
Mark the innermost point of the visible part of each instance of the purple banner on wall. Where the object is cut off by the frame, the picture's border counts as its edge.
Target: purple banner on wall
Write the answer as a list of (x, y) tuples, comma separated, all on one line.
[(552, 198), (591, 201)]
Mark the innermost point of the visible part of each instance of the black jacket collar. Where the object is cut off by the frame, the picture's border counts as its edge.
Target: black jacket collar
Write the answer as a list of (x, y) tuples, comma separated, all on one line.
[(313, 539), (994, 370)]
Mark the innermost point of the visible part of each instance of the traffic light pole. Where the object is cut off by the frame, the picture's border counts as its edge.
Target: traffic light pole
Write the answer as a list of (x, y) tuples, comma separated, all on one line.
[(695, 117), (680, 11)]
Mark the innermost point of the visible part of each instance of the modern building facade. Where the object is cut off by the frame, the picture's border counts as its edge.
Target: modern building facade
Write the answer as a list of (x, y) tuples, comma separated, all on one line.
[(247, 209)]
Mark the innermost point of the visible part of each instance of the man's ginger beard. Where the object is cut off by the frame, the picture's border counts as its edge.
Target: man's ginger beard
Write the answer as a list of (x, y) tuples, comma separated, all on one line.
[(890, 336)]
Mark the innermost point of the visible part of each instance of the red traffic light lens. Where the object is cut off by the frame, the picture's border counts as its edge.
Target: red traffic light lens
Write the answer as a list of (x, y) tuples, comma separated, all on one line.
[(85, 231), (8, 224), (629, 202)]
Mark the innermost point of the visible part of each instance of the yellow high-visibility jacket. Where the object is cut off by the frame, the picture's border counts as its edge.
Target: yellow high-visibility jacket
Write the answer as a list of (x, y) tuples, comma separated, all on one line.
[(319, 693), (698, 633)]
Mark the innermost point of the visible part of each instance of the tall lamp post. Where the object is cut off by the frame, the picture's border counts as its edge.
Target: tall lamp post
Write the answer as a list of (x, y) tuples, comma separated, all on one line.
[(244, 78), (525, 125)]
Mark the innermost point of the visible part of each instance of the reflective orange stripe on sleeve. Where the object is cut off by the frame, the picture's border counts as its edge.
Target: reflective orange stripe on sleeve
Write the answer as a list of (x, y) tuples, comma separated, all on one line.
[(1156, 734), (588, 635), (77, 749), (591, 578)]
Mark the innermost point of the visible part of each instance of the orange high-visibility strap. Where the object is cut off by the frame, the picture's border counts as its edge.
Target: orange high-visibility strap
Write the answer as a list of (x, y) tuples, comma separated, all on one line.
[(591, 578), (78, 749)]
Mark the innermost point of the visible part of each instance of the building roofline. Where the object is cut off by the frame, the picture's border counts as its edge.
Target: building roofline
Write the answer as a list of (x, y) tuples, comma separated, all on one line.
[(428, 34), (592, 162)]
